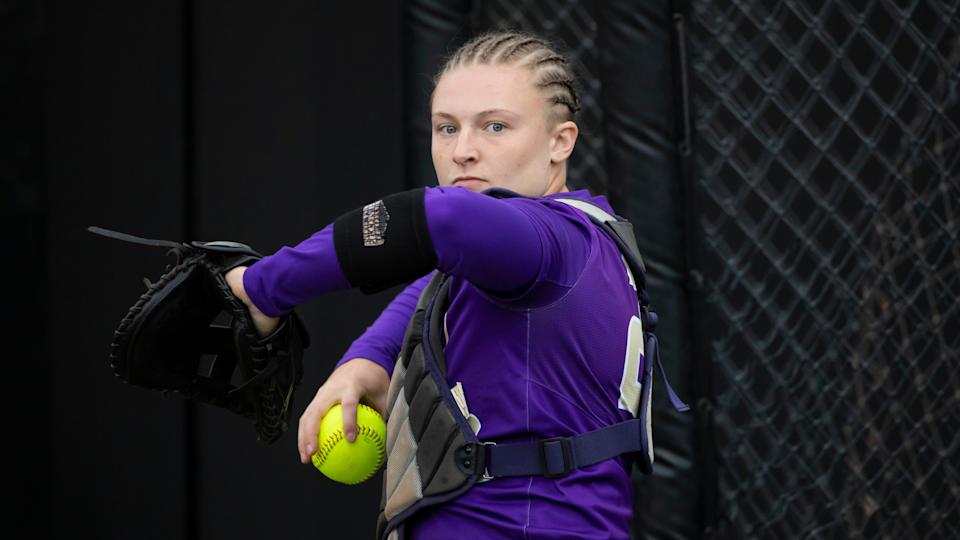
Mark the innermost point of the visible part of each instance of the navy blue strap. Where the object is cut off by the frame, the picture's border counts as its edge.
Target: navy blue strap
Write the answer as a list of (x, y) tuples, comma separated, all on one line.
[(675, 400), (559, 456)]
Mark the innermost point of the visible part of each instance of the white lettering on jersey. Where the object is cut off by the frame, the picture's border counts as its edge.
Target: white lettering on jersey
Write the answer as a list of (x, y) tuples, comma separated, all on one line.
[(630, 381)]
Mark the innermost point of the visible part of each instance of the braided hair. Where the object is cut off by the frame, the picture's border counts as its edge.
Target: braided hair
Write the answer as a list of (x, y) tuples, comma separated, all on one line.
[(553, 74)]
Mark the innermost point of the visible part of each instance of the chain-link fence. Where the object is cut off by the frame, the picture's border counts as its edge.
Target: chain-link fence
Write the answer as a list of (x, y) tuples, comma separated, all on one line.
[(826, 190)]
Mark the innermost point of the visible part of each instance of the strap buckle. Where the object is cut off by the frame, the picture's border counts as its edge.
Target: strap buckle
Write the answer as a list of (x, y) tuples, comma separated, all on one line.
[(471, 458), (486, 472), (556, 451)]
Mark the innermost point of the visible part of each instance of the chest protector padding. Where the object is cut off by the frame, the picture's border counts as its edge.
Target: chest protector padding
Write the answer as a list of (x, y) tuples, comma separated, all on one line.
[(434, 456), (421, 408)]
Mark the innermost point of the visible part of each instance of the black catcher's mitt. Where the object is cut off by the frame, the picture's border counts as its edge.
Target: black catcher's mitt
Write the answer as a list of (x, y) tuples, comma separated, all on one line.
[(167, 339)]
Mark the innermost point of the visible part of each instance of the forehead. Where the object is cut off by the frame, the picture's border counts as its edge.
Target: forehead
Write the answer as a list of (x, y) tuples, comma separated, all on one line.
[(466, 90)]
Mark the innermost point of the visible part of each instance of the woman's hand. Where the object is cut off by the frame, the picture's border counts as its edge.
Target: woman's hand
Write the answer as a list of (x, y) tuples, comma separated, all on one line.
[(355, 381), (265, 325)]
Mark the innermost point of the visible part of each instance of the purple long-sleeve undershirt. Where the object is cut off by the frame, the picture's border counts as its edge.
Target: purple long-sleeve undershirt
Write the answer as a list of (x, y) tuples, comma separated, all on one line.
[(381, 341), (508, 247)]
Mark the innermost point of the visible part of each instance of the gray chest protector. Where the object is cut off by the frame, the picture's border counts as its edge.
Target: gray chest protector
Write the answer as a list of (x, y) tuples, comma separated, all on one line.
[(433, 454)]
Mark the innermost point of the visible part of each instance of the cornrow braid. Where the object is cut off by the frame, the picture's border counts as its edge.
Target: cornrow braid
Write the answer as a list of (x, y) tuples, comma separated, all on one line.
[(552, 72), (554, 58), (511, 53), (471, 49), (495, 47)]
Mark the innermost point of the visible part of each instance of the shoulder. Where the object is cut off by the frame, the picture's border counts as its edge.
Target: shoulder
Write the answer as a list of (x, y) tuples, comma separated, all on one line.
[(569, 240), (576, 204)]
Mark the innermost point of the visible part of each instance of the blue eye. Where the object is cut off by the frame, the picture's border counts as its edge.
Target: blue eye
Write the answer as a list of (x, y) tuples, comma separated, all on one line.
[(496, 127), (447, 129)]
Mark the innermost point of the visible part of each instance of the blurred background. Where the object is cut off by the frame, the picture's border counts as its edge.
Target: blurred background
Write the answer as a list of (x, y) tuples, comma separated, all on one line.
[(791, 169)]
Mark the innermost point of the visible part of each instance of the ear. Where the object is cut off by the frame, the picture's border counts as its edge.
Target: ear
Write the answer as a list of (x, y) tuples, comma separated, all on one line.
[(562, 141)]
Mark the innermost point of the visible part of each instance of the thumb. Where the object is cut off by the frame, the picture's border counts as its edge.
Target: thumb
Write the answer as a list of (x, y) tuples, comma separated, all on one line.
[(349, 413)]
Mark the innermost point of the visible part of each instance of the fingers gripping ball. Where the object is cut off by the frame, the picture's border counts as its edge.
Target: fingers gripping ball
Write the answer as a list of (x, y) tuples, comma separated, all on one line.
[(346, 462)]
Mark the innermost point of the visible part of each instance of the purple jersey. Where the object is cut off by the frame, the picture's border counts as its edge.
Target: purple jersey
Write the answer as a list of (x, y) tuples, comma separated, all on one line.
[(541, 320)]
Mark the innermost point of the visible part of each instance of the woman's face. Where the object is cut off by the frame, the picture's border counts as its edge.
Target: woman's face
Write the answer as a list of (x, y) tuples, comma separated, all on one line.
[(490, 129)]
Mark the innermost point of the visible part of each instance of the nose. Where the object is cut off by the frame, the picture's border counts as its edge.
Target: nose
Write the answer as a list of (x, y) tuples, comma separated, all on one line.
[(465, 151)]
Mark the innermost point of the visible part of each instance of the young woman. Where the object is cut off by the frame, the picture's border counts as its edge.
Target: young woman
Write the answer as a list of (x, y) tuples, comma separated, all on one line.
[(541, 303)]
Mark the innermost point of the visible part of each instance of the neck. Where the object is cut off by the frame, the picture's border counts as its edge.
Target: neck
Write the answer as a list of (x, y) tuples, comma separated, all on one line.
[(559, 182)]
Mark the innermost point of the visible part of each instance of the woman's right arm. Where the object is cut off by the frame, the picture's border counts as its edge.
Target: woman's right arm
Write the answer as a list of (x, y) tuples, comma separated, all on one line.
[(363, 373), (381, 341)]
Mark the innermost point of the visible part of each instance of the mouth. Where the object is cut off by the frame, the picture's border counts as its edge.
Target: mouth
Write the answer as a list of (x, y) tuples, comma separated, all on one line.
[(466, 179)]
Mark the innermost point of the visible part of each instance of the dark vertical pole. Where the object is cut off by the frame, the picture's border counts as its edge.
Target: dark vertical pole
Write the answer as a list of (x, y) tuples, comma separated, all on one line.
[(189, 232), (706, 464)]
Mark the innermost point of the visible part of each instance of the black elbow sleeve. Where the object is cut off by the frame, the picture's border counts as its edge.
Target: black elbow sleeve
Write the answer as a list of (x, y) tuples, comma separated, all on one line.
[(385, 243)]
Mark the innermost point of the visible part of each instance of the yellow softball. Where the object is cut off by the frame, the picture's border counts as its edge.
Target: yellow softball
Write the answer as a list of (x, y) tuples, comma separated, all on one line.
[(346, 462)]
